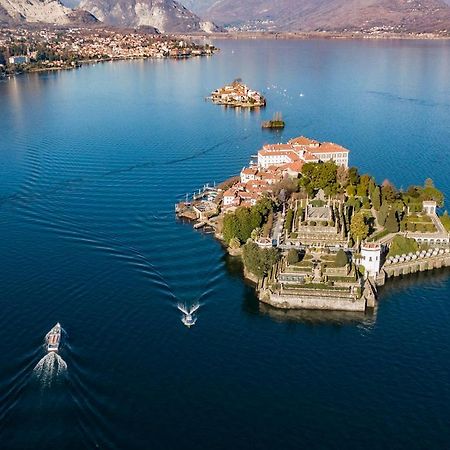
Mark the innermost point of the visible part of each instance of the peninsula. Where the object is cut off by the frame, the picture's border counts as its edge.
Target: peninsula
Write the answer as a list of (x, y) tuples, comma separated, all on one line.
[(313, 233), (237, 94)]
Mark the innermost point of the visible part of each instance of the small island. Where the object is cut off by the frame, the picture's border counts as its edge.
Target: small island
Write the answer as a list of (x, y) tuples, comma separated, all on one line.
[(238, 95), (314, 233), (276, 123)]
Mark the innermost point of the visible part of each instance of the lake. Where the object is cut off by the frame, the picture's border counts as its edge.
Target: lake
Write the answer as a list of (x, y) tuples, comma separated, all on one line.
[(92, 162)]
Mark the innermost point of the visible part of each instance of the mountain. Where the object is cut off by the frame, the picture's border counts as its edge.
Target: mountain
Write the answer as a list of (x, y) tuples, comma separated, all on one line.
[(42, 11), (165, 15), (329, 15)]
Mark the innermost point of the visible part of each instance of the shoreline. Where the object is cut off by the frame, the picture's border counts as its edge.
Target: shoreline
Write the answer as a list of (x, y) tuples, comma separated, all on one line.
[(80, 64)]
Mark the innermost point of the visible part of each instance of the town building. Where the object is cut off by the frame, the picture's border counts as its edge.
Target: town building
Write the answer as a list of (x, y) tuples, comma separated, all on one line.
[(18, 59), (301, 150)]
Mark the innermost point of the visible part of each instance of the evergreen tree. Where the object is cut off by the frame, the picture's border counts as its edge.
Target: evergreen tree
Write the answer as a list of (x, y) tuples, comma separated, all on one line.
[(375, 196), (353, 176), (341, 258), (392, 224), (230, 227), (259, 261), (382, 214), (289, 219), (359, 227), (292, 256), (388, 192)]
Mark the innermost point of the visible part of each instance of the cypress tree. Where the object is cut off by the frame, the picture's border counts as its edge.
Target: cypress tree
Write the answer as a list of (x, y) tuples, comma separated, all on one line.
[(392, 222), (383, 213), (292, 256), (375, 195)]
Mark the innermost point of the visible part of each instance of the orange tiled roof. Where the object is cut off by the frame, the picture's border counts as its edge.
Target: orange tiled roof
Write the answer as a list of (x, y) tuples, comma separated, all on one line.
[(302, 140), (329, 147)]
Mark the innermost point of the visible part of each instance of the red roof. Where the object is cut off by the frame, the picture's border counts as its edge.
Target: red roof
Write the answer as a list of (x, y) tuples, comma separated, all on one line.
[(302, 140), (277, 147), (229, 193), (329, 147), (249, 171)]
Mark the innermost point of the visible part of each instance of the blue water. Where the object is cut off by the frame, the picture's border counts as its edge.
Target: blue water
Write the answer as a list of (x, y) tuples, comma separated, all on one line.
[(91, 164)]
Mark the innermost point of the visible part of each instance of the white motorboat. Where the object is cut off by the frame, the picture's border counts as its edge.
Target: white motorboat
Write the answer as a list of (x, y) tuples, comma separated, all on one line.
[(188, 317), (53, 338)]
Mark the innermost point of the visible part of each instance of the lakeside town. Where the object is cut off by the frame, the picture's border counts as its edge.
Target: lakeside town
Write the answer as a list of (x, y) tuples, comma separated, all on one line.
[(315, 234), (29, 49)]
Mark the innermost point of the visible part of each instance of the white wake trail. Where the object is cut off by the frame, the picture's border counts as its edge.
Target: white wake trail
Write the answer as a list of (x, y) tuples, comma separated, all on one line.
[(50, 368)]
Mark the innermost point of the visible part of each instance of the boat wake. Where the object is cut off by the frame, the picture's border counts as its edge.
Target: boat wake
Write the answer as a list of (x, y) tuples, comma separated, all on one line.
[(49, 369), (188, 317)]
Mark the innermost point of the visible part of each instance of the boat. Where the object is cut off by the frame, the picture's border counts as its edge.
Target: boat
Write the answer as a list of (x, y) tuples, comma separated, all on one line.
[(188, 317), (53, 338)]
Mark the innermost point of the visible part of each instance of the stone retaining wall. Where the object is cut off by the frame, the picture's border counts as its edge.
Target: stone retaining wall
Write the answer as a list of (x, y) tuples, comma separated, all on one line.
[(307, 301)]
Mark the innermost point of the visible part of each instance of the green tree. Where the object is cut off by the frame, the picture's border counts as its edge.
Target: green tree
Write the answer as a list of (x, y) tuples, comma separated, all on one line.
[(264, 206), (246, 227), (431, 193), (230, 227), (375, 196), (353, 176), (359, 227), (268, 225), (392, 223), (292, 256), (363, 186), (382, 214), (234, 243), (317, 176), (289, 220), (341, 258), (259, 261), (256, 233), (388, 192), (445, 219), (342, 176), (401, 245), (351, 190), (365, 203)]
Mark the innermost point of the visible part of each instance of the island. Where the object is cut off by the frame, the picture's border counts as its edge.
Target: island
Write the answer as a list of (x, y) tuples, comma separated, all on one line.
[(238, 95), (314, 233), (276, 123)]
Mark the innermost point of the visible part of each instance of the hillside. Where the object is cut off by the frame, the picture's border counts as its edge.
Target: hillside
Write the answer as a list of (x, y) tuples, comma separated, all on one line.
[(42, 11), (165, 15), (330, 15)]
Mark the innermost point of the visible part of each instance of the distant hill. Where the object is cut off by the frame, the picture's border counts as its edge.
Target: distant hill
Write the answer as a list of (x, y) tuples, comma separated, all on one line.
[(165, 15), (42, 11), (329, 15)]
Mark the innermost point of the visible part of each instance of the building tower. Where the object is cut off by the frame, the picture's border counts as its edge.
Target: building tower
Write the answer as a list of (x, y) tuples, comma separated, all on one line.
[(371, 258)]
